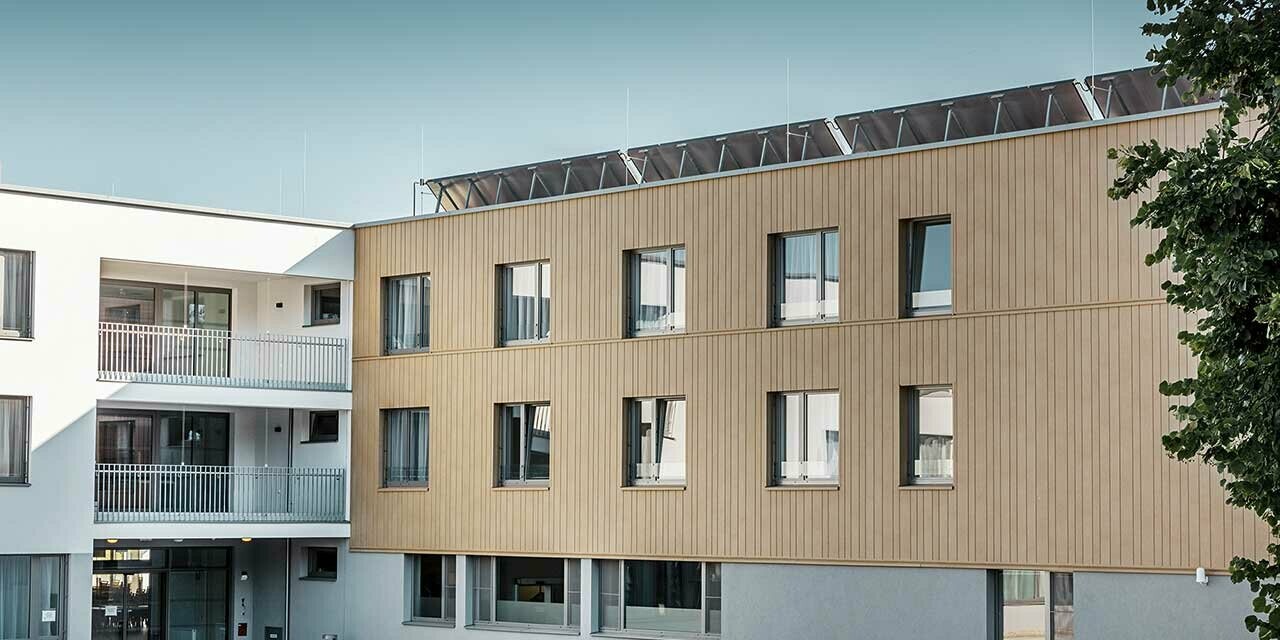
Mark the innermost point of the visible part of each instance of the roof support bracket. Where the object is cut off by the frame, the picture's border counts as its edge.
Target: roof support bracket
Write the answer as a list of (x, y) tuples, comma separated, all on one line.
[(838, 136)]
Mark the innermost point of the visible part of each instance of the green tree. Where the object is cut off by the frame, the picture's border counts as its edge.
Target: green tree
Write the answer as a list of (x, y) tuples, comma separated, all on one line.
[(1218, 204)]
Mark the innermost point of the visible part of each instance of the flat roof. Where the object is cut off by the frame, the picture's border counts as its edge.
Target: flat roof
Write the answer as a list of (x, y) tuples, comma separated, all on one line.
[(974, 117), (169, 206)]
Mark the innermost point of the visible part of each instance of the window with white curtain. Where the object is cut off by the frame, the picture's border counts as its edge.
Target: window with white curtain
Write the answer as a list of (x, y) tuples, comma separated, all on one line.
[(525, 302), (657, 286), (930, 435), (406, 313), (15, 435), (659, 597), (656, 441), (806, 277), (524, 443), (806, 437), (32, 597), (15, 293), (405, 447)]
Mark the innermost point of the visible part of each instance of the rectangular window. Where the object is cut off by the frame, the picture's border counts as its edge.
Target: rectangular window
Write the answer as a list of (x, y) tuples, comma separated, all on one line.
[(15, 437), (32, 597), (806, 437), (806, 277), (657, 291), (524, 444), (526, 592), (324, 426), (656, 441), (15, 293), (930, 435), (660, 597), (406, 313), (405, 447), (1036, 604), (326, 303), (434, 587), (322, 563), (929, 267), (525, 302)]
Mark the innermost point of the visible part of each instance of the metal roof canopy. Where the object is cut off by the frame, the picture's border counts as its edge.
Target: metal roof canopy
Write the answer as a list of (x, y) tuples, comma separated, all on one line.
[(1036, 106)]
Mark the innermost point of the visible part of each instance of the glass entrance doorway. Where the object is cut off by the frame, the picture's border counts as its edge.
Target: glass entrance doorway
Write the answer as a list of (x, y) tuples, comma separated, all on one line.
[(161, 594), (128, 606)]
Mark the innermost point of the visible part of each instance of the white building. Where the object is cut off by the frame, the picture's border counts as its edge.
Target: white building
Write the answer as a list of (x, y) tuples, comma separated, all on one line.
[(174, 417)]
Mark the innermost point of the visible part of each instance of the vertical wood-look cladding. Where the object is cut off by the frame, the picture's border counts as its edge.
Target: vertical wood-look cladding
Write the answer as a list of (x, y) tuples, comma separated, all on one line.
[(1059, 339)]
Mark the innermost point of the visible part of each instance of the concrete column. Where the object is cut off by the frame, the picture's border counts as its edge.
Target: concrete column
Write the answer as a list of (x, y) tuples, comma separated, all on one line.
[(590, 618), (462, 594)]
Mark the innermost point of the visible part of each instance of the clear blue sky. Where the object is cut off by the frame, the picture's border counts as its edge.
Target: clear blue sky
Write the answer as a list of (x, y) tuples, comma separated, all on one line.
[(208, 102)]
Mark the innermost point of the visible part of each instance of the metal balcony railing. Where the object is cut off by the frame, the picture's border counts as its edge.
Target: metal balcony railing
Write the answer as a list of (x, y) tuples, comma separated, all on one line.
[(199, 493), (179, 355)]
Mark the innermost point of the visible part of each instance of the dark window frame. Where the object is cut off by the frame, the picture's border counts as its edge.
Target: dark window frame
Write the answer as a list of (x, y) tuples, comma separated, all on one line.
[(423, 283), (777, 276), (385, 415), (449, 592), (633, 264), (777, 434), (913, 231), (541, 325), (27, 296), (24, 478), (314, 293), (910, 434), (499, 448), (706, 598), (325, 437), (314, 571), (571, 577), (631, 438)]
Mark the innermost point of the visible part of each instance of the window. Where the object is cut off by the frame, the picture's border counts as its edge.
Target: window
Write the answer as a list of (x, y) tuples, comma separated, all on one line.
[(525, 303), (806, 437), (930, 435), (656, 441), (434, 586), (657, 291), (406, 313), (322, 563), (806, 279), (326, 303), (15, 293), (15, 431), (524, 444), (929, 268), (405, 447), (32, 597), (324, 426), (1025, 612), (658, 596), (530, 592)]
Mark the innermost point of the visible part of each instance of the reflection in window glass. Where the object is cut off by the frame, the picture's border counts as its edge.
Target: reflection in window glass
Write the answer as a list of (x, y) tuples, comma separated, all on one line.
[(433, 586), (657, 297), (1026, 612), (524, 443), (807, 283), (930, 267), (531, 591), (656, 442), (526, 302), (931, 435), (663, 596), (806, 437)]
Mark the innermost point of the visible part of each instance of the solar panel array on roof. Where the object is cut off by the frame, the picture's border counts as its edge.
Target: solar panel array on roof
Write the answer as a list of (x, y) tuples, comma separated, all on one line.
[(969, 117)]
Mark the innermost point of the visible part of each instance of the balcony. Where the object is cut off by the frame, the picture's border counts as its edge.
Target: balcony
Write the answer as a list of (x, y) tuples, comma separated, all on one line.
[(197, 493), (214, 357)]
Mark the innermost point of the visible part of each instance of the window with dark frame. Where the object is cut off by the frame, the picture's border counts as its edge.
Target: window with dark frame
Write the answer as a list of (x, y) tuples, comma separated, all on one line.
[(928, 267), (15, 439), (524, 444), (656, 437), (16, 283), (929, 435), (406, 313), (805, 437), (434, 588), (1030, 603), (326, 303), (406, 442), (806, 277), (524, 303), (33, 595), (324, 427), (322, 563), (659, 596), (526, 592), (656, 290)]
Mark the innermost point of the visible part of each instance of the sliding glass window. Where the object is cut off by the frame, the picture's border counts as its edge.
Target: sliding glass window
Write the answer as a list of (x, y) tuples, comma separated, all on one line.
[(530, 592), (806, 277), (406, 313), (656, 441), (524, 444), (657, 303), (525, 303), (405, 447), (15, 293), (930, 435), (806, 437), (15, 438), (33, 597), (659, 597), (929, 268), (434, 586)]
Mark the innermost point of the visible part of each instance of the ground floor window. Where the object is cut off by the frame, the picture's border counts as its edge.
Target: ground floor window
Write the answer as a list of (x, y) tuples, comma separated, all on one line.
[(537, 592), (175, 592), (660, 596), (32, 596), (434, 586), (1036, 604)]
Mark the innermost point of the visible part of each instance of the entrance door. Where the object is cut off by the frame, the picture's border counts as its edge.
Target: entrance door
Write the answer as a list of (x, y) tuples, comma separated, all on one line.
[(128, 606)]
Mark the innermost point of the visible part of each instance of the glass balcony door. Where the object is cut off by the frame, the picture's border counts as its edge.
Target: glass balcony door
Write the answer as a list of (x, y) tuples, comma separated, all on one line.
[(204, 351)]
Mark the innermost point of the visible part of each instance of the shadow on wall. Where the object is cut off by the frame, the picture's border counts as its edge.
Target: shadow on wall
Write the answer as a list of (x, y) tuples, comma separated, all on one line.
[(338, 250), (53, 514)]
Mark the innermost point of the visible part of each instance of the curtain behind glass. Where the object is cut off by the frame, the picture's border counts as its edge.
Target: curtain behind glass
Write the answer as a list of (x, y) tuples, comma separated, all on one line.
[(934, 435), (406, 313), (799, 287), (15, 591), (822, 436), (13, 439), (526, 302), (15, 293), (405, 457)]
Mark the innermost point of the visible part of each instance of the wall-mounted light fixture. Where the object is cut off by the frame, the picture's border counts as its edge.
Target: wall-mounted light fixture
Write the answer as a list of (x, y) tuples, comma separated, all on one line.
[(246, 539), (1202, 578), (112, 541)]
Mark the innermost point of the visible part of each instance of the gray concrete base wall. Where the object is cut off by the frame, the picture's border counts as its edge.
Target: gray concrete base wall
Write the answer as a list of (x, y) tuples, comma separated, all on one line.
[(1160, 607)]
